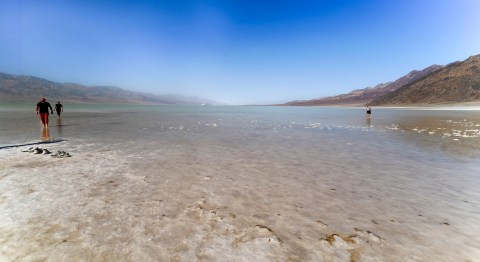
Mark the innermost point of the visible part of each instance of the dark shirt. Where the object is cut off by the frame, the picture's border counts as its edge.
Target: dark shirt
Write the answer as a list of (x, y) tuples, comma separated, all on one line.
[(43, 107), (58, 107)]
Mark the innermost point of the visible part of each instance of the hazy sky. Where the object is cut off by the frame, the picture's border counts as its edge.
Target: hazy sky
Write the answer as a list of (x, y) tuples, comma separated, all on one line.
[(235, 51)]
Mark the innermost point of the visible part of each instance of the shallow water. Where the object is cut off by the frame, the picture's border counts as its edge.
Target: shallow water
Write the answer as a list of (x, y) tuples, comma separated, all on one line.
[(241, 183)]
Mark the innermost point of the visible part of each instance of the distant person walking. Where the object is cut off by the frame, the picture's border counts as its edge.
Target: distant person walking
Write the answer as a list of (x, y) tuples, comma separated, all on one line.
[(369, 110), (59, 108), (42, 109)]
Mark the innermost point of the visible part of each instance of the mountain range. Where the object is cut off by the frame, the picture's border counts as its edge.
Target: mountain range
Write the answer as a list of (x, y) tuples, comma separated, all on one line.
[(458, 82), (15, 88)]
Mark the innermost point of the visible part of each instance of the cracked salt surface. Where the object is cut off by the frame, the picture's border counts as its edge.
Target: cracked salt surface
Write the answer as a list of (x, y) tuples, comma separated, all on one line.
[(262, 185)]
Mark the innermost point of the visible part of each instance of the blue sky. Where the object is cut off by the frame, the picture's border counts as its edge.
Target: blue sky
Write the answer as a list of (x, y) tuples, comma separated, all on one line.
[(238, 52)]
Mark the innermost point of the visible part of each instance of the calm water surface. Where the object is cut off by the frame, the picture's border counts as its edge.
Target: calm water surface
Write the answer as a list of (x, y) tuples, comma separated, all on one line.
[(451, 132)]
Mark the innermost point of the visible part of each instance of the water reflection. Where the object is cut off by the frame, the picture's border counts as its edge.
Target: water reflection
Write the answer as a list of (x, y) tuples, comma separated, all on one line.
[(368, 120), (59, 126), (449, 132), (45, 134), (456, 128)]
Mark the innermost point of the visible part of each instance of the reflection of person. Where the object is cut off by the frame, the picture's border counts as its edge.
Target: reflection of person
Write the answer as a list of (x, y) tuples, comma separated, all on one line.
[(369, 109), (42, 109), (59, 108), (45, 133), (59, 126)]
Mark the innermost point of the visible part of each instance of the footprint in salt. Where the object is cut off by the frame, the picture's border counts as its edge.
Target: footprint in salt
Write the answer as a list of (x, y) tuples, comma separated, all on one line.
[(369, 236), (322, 224), (257, 233), (351, 246)]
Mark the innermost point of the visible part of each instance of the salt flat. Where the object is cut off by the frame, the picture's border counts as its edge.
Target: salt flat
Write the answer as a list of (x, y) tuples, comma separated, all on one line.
[(236, 184)]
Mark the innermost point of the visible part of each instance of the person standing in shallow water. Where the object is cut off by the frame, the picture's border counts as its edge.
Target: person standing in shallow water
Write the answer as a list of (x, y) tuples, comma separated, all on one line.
[(369, 110), (59, 108), (42, 110)]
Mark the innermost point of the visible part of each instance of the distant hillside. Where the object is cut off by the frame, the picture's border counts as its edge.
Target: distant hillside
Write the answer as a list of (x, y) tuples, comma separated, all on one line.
[(456, 83), (15, 88), (364, 96), (356, 97)]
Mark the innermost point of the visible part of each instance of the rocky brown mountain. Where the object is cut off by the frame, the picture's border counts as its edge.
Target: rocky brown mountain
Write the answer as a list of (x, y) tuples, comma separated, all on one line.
[(356, 97), (366, 95), (455, 83)]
